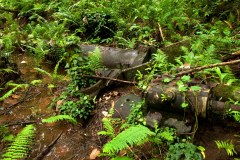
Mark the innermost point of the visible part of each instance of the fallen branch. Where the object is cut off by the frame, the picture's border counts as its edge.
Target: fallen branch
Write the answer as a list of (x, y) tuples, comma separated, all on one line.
[(48, 148), (136, 67), (111, 79), (206, 67), (160, 31), (19, 123), (231, 56)]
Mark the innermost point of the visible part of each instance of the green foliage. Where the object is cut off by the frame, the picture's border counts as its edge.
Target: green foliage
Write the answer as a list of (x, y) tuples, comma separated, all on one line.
[(95, 59), (234, 114), (5, 134), (187, 151), (134, 135), (136, 113), (84, 65), (81, 107), (227, 146), (107, 125), (20, 146), (225, 78), (60, 118), (11, 91)]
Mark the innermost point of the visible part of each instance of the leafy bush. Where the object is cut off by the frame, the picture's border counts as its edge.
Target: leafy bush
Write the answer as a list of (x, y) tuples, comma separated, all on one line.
[(186, 151)]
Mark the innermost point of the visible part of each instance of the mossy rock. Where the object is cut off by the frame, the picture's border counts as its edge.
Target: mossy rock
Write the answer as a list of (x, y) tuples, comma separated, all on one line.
[(225, 92)]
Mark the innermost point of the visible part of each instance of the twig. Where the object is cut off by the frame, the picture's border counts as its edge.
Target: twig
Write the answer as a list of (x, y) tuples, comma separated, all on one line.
[(136, 67), (111, 79), (206, 67), (48, 148), (160, 30), (19, 123), (231, 56)]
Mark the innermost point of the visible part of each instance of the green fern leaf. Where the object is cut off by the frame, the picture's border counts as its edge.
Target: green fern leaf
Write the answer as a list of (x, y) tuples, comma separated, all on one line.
[(108, 127), (59, 118), (95, 59), (227, 146), (9, 93), (19, 148), (55, 74), (43, 72), (134, 135)]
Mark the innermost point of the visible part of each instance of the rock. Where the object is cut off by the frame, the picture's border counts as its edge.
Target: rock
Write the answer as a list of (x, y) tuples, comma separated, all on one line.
[(153, 117), (123, 105), (180, 126)]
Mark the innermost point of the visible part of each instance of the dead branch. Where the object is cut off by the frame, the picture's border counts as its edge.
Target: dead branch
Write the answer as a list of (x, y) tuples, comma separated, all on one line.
[(136, 67), (107, 78), (160, 31), (48, 148), (206, 67), (19, 123), (231, 56)]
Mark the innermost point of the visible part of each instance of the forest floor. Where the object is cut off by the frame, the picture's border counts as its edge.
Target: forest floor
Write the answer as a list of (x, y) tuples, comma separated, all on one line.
[(62, 140)]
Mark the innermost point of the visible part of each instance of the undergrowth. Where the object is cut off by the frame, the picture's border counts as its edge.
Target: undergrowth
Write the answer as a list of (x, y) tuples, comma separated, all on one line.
[(20, 146)]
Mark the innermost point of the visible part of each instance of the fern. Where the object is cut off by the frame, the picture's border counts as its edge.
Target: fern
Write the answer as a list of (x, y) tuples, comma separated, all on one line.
[(20, 146), (59, 118), (108, 128), (235, 115), (35, 82), (8, 70), (55, 74), (227, 146), (43, 72), (10, 92), (95, 59), (134, 135)]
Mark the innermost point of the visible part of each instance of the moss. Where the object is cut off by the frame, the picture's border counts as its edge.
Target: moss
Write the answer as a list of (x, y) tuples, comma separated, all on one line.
[(225, 92)]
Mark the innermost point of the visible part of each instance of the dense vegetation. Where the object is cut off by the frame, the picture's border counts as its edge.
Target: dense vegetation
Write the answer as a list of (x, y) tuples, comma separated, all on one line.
[(53, 30)]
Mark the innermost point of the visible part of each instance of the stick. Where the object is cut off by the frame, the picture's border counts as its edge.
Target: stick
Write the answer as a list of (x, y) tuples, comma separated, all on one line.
[(160, 30), (48, 148), (206, 67), (136, 67), (111, 79), (19, 123), (231, 56)]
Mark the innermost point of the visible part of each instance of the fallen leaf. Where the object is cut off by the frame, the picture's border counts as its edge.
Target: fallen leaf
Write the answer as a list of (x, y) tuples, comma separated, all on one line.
[(94, 153), (15, 96), (115, 93), (59, 103)]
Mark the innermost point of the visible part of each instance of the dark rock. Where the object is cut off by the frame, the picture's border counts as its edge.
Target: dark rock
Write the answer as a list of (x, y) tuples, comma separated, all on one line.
[(123, 105), (180, 126), (153, 117)]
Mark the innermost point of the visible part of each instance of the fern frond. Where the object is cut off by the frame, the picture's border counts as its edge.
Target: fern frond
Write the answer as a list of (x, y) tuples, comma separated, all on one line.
[(235, 115), (108, 128), (227, 146), (60, 118), (43, 72), (134, 135), (55, 74), (20, 147), (8, 70), (35, 82), (10, 92), (95, 59)]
